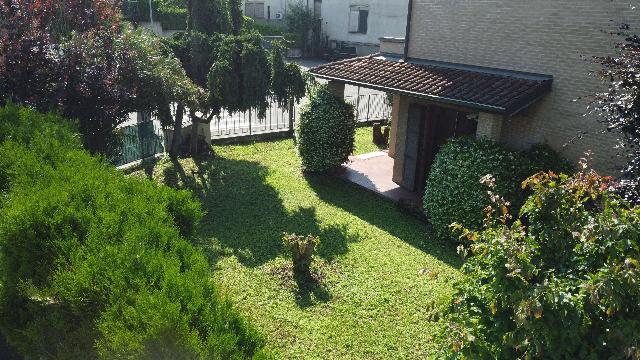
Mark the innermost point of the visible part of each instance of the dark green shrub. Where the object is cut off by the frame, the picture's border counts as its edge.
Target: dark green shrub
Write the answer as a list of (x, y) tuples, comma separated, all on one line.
[(288, 81), (560, 283), (95, 265), (542, 158), (325, 133), (454, 192)]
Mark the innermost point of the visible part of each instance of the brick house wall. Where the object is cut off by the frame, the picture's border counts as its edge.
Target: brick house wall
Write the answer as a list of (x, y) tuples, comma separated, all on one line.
[(541, 36)]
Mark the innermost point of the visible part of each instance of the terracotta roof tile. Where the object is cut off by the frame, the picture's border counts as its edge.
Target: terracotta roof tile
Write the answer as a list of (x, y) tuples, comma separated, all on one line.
[(493, 90)]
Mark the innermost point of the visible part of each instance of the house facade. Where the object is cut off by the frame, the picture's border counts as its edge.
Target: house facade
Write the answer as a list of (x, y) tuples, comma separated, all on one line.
[(275, 10), (265, 10), (516, 72), (360, 23)]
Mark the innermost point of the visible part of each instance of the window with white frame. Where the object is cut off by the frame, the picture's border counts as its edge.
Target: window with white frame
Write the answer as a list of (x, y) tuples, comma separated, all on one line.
[(358, 19)]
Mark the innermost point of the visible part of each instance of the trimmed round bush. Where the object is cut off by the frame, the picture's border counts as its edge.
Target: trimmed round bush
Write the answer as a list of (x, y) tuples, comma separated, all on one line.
[(98, 265), (325, 133), (454, 193)]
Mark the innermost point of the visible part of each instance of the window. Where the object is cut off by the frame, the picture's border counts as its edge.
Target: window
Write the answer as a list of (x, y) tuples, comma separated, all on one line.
[(358, 19), (254, 10)]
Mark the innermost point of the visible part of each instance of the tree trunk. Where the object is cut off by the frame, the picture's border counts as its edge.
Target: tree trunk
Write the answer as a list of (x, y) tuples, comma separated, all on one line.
[(177, 131), (195, 124)]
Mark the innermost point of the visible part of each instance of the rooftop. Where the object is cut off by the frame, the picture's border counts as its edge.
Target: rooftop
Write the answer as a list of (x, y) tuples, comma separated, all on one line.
[(492, 90)]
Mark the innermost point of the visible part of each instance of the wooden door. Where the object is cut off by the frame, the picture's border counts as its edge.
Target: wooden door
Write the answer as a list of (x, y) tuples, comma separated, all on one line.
[(428, 128), (413, 145)]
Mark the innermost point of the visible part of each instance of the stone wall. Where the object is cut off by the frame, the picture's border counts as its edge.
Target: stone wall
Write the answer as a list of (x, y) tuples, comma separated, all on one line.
[(542, 36)]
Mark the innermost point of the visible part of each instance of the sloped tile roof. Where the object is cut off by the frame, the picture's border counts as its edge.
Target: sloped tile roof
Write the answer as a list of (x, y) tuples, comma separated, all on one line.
[(492, 90)]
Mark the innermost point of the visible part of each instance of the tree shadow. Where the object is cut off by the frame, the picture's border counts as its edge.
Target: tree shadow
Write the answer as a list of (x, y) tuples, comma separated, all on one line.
[(307, 291), (245, 216), (383, 214)]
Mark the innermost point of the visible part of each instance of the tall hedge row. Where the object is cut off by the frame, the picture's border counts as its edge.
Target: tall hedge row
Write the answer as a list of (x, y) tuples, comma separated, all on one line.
[(97, 265)]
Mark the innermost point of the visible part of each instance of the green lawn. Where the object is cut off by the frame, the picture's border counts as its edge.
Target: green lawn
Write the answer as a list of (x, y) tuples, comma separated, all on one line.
[(384, 278), (364, 141)]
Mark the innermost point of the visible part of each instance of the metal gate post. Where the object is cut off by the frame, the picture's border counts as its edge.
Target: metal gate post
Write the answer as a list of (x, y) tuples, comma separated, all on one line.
[(292, 116), (358, 105)]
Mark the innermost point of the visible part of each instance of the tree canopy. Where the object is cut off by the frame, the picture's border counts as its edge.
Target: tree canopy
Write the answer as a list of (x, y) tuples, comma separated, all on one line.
[(79, 58)]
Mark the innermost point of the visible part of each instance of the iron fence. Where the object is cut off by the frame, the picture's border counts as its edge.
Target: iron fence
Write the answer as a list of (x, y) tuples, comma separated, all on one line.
[(371, 107), (140, 141), (146, 139), (238, 124)]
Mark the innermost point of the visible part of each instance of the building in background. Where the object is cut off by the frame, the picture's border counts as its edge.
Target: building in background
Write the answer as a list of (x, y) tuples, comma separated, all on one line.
[(510, 71), (266, 10), (361, 23)]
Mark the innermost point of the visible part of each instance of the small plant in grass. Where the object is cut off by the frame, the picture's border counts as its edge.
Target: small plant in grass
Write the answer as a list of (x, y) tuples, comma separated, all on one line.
[(302, 249)]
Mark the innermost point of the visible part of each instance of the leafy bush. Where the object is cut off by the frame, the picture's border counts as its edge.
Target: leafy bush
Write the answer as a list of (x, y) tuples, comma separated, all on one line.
[(77, 57), (454, 193), (325, 133), (561, 282), (617, 107), (95, 264), (302, 248), (300, 21), (266, 28)]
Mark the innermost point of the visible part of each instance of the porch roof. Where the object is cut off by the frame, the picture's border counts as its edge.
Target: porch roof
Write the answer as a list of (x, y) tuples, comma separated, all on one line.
[(492, 90)]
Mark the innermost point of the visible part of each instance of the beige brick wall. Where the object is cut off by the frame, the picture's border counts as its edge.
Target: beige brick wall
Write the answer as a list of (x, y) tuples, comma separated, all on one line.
[(490, 126), (543, 36)]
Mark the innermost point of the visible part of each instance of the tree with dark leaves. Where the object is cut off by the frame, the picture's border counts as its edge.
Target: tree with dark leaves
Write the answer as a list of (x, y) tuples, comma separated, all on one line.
[(78, 58), (619, 106)]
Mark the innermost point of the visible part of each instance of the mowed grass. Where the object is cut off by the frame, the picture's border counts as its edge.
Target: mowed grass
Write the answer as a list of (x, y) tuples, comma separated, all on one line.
[(364, 141), (383, 278)]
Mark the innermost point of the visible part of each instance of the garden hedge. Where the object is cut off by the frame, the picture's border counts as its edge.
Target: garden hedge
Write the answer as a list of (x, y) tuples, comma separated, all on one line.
[(96, 264), (325, 132), (454, 192)]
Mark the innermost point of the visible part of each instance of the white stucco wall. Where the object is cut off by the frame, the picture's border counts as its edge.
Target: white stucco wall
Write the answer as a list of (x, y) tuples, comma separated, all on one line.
[(387, 18), (277, 6)]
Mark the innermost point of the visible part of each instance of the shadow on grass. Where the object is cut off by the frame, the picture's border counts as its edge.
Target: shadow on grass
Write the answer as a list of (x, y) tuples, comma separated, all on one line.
[(384, 215), (245, 215), (305, 290)]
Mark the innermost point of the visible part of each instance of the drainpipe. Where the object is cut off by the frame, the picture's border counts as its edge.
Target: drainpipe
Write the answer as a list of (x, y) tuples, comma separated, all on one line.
[(408, 31)]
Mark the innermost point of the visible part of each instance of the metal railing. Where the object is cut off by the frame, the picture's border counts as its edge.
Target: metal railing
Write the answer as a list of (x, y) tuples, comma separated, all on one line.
[(146, 139), (228, 125), (371, 107), (140, 141)]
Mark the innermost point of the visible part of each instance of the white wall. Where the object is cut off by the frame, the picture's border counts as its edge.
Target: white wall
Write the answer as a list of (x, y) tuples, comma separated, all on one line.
[(277, 6), (387, 18)]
